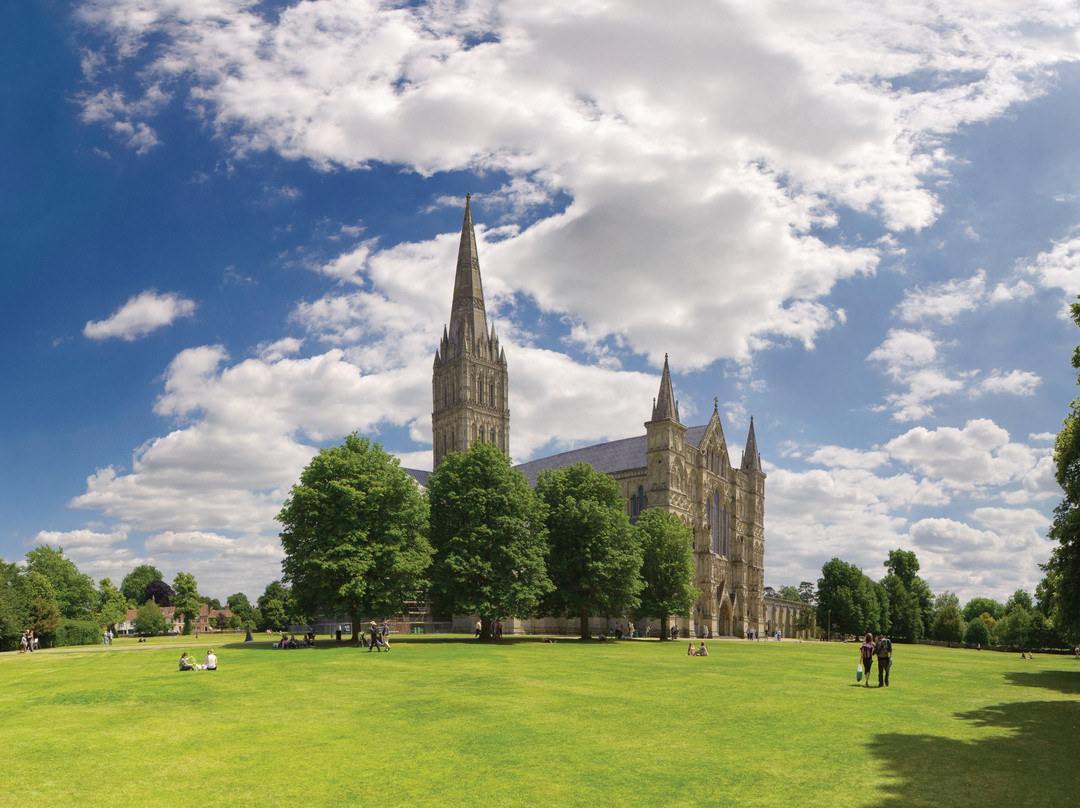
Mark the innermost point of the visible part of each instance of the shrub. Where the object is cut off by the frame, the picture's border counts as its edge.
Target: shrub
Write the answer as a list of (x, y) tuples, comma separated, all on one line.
[(78, 632)]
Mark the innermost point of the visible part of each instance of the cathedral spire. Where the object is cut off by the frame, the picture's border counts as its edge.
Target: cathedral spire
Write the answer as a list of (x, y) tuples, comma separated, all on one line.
[(665, 407), (751, 460), (467, 314)]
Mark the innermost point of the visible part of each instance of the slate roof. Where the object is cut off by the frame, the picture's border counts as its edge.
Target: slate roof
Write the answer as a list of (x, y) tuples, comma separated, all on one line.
[(610, 457)]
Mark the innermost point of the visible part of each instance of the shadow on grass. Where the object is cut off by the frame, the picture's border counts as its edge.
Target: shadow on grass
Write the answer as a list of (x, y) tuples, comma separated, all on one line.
[(1061, 681), (1028, 759)]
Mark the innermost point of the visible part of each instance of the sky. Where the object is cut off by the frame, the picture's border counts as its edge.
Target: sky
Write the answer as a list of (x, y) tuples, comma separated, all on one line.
[(228, 232)]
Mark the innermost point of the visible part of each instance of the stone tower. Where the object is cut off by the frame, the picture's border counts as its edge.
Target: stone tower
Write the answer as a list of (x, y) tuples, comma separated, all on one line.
[(470, 387)]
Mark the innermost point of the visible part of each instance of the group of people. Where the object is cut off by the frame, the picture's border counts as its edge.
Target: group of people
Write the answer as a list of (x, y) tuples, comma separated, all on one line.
[(107, 637), (880, 647), (496, 629), (308, 641), (187, 662), (701, 650), (27, 642), (380, 636)]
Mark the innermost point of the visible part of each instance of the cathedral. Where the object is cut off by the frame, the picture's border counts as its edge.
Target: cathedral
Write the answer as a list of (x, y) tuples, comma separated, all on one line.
[(684, 469)]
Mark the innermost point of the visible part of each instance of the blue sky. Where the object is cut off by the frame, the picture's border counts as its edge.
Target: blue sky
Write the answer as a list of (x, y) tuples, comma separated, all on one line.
[(228, 234)]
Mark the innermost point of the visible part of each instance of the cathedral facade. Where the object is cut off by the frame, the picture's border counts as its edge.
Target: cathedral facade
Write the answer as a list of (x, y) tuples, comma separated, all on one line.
[(686, 470)]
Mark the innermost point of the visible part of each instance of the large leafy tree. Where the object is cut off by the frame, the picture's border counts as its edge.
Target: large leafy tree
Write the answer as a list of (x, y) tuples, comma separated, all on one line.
[(75, 592), (355, 533), (904, 565), (849, 601), (135, 582), (1064, 563), (275, 612), (595, 558), (489, 538), (14, 605), (112, 605), (977, 606), (948, 623), (160, 592), (149, 619), (240, 606), (186, 598), (667, 566)]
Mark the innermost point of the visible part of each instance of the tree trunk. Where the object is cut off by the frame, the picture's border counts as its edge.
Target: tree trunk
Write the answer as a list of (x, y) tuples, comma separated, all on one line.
[(664, 634), (485, 629), (585, 634), (357, 629)]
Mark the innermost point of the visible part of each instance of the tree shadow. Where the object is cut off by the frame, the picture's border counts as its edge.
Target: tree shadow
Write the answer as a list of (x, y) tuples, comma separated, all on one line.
[(1061, 681), (1029, 759)]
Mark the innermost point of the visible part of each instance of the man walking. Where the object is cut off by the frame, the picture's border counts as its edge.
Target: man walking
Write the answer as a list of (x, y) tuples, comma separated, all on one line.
[(883, 649)]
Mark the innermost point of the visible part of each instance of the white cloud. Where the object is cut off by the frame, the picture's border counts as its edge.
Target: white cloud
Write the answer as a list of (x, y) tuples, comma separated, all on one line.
[(1013, 382), (1058, 268), (141, 315), (943, 301)]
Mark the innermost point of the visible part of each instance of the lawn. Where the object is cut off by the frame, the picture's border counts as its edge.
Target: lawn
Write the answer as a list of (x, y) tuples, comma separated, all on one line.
[(447, 721)]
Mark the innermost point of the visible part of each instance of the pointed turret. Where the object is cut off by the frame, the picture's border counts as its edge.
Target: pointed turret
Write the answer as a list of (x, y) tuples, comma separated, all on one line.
[(665, 407), (467, 314), (751, 460)]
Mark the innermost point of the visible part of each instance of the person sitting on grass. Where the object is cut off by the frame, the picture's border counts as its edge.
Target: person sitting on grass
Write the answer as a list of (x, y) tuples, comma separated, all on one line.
[(691, 651), (185, 662), (703, 651), (211, 661)]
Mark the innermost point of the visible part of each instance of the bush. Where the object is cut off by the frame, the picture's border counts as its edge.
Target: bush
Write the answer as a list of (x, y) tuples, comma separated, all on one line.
[(78, 632)]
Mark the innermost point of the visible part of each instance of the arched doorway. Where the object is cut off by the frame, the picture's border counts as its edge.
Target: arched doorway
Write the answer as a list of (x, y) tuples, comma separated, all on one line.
[(725, 617)]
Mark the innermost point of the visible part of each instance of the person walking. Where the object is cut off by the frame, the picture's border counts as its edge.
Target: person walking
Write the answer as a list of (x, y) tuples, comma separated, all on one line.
[(376, 643), (883, 650), (866, 655)]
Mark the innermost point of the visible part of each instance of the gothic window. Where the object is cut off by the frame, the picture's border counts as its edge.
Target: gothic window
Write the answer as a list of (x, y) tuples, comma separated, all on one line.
[(481, 436), (715, 509), (491, 390), (723, 538)]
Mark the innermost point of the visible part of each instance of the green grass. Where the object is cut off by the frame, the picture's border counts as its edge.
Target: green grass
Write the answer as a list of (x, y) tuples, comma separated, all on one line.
[(445, 721)]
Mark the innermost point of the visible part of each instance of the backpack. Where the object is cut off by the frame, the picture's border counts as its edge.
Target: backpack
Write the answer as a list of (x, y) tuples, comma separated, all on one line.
[(884, 647)]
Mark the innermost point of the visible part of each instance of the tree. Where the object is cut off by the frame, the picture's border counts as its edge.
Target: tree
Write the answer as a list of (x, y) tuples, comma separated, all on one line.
[(667, 566), (789, 593), (75, 593), (186, 598), (135, 582), (849, 601), (976, 606), (905, 566), (595, 561), (274, 610), (160, 592), (44, 618), (905, 616), (1064, 561), (112, 605), (948, 624), (355, 533), (977, 633), (14, 605), (240, 606), (1019, 600), (808, 593), (488, 534), (149, 619)]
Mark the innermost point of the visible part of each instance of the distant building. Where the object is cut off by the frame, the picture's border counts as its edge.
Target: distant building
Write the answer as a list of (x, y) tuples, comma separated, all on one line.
[(205, 620)]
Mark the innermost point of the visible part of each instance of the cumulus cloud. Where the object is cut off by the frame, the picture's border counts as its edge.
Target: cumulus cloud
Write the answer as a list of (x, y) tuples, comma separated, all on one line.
[(141, 315)]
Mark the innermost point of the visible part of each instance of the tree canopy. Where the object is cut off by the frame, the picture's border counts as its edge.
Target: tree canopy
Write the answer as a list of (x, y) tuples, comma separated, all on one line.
[(135, 582), (667, 567), (186, 598), (595, 559), (75, 592), (160, 592), (1064, 563), (489, 538), (849, 601), (355, 533)]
